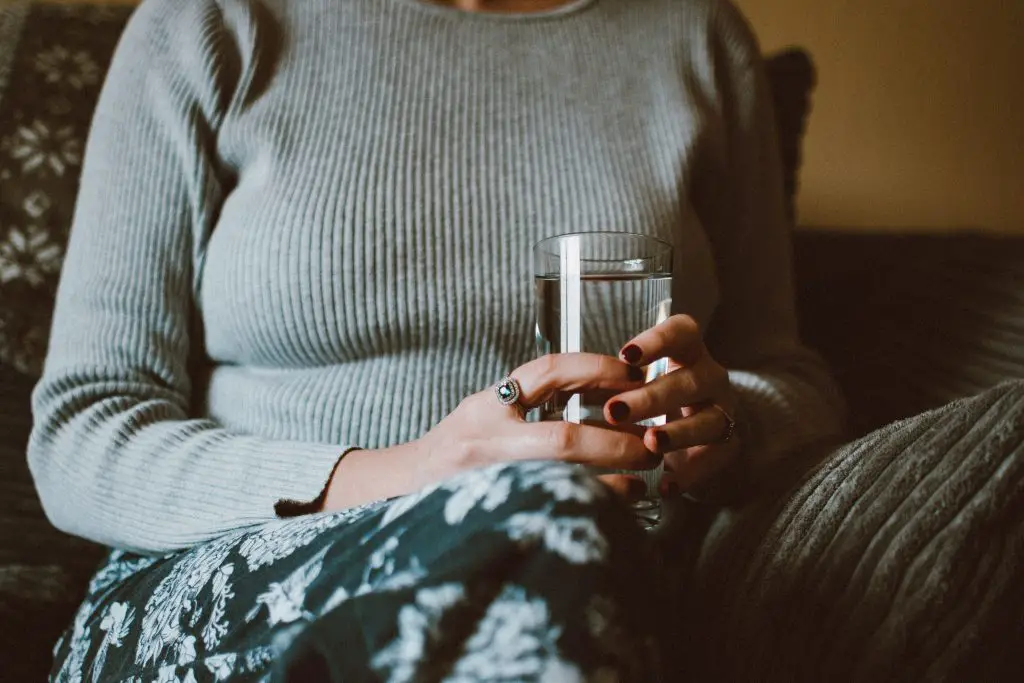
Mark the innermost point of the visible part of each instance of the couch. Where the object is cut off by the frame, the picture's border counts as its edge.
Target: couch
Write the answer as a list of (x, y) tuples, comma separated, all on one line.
[(907, 321)]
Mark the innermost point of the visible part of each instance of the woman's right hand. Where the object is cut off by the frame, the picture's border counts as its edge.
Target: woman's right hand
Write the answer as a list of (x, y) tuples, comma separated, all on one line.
[(481, 431)]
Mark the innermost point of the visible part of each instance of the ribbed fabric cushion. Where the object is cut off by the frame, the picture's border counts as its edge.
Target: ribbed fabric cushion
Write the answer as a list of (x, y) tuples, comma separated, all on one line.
[(900, 558)]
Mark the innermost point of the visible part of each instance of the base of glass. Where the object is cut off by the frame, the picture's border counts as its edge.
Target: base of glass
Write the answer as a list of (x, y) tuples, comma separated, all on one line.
[(647, 512)]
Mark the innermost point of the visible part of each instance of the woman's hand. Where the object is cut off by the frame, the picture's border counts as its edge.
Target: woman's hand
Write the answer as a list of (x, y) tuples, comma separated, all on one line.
[(695, 395), (482, 431)]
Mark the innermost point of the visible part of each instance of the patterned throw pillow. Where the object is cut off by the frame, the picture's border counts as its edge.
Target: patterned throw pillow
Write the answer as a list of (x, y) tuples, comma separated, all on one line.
[(52, 62)]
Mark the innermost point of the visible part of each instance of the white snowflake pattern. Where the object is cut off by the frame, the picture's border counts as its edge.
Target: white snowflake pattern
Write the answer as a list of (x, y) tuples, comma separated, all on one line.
[(29, 255), (116, 624), (76, 68), (418, 630), (577, 539), (39, 148), (514, 641), (36, 204)]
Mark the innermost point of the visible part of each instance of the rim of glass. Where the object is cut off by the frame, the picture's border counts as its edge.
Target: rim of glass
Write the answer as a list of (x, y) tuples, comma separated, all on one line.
[(662, 244)]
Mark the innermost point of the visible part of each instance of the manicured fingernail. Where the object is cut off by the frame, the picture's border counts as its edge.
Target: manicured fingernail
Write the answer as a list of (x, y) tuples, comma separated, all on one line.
[(619, 411), (636, 374), (632, 354), (670, 489), (637, 488), (664, 442)]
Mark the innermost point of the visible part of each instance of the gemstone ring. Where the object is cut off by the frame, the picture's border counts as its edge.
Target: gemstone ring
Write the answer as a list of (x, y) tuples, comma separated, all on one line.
[(508, 391)]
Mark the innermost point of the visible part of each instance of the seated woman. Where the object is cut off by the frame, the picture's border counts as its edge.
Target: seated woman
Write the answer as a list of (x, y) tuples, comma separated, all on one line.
[(299, 264)]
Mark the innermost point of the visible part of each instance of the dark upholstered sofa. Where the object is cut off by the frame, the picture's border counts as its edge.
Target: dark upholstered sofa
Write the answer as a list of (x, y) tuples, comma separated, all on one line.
[(907, 322)]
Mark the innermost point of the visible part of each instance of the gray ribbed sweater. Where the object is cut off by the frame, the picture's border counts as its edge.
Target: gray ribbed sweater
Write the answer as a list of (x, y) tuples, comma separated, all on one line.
[(305, 225)]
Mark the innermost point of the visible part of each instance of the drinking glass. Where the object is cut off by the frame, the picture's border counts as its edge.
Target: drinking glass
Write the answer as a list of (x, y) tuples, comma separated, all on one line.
[(594, 292)]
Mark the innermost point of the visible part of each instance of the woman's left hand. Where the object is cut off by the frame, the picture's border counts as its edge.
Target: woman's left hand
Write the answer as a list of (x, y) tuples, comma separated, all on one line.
[(696, 396)]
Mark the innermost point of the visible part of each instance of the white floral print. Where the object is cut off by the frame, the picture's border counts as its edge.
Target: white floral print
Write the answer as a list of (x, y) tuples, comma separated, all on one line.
[(285, 600), (564, 483), (418, 629), (221, 666), (216, 625), (577, 539), (40, 148), (281, 539), (117, 569), (116, 625), (76, 68), (380, 576), (71, 670), (29, 255), (175, 599), (400, 506), (515, 641), (481, 628), (488, 488), (187, 651)]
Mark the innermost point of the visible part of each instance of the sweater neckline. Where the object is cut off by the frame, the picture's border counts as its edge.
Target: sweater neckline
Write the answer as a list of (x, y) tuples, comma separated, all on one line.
[(571, 7)]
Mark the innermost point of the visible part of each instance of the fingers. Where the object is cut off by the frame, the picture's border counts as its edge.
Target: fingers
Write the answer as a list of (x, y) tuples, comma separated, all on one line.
[(573, 372), (706, 426), (666, 395), (678, 337), (628, 428), (580, 444)]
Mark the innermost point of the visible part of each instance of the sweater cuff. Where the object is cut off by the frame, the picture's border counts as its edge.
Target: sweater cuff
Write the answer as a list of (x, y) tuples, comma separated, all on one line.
[(290, 507)]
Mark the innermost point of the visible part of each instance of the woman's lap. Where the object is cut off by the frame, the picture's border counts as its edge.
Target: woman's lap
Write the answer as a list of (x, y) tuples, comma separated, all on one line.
[(898, 557), (488, 555)]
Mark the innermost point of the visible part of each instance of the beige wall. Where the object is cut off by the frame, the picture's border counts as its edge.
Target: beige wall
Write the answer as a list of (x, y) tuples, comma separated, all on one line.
[(918, 118)]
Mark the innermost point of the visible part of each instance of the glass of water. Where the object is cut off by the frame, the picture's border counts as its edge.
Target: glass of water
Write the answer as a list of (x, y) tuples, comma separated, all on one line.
[(595, 291)]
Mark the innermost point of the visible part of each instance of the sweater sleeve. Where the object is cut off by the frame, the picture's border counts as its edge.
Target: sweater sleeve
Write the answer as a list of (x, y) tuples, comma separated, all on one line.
[(788, 401), (116, 454)]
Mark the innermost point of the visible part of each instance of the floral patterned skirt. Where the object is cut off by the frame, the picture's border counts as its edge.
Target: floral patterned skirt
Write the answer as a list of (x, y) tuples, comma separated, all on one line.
[(524, 572)]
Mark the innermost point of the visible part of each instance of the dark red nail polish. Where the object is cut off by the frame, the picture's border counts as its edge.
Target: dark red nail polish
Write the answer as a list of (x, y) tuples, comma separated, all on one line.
[(672, 490), (664, 442), (619, 411), (632, 354), (636, 374)]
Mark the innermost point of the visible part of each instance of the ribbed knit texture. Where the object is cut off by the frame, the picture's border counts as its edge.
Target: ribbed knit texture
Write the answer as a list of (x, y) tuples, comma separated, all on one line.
[(898, 559), (305, 226)]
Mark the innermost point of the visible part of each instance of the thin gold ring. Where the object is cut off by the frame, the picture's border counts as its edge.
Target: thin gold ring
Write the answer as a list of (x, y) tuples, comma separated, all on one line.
[(730, 424)]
